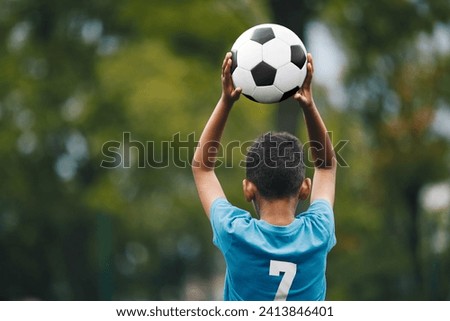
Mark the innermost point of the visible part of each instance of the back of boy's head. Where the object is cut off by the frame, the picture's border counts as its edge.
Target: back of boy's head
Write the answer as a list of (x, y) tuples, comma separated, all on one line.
[(274, 163)]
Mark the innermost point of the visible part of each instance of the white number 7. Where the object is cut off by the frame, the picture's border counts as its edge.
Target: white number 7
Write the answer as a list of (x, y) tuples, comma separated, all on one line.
[(289, 269)]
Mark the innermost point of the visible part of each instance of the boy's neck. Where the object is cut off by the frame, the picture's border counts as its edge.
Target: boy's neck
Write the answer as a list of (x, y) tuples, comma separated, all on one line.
[(278, 211)]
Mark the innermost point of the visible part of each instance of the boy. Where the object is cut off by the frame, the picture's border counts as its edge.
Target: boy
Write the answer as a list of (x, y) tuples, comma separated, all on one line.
[(280, 256)]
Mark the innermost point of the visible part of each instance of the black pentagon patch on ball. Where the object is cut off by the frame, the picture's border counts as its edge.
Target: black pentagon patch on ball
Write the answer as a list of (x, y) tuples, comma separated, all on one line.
[(233, 60), (262, 35), (263, 74), (289, 93), (298, 56), (250, 97)]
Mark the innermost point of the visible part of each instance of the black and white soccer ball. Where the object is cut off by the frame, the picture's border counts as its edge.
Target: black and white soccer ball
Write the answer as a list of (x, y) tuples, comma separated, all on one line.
[(269, 63)]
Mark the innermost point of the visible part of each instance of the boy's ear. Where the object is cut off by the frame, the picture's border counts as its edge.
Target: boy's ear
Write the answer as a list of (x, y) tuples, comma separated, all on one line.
[(249, 190), (305, 189)]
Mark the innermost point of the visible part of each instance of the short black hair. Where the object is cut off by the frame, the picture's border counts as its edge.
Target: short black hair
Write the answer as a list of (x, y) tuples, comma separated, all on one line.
[(274, 163)]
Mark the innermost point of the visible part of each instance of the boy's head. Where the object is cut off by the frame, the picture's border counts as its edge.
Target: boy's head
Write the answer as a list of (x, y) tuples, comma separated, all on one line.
[(274, 164)]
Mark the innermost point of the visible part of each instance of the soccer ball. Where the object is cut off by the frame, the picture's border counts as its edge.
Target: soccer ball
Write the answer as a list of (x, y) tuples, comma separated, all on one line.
[(269, 63)]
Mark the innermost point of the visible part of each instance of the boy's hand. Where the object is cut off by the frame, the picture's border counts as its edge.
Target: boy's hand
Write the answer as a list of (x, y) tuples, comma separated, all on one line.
[(229, 93), (304, 94)]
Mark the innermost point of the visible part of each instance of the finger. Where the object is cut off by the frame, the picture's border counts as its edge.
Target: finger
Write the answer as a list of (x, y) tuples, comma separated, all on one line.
[(236, 92), (310, 60), (228, 60), (309, 72), (307, 82), (225, 60), (227, 69)]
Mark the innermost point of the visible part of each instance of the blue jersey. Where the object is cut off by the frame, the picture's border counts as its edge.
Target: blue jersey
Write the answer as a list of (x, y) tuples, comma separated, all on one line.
[(268, 262)]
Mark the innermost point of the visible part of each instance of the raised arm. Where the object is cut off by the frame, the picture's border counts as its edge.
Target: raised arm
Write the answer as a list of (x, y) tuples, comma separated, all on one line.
[(208, 186), (324, 159)]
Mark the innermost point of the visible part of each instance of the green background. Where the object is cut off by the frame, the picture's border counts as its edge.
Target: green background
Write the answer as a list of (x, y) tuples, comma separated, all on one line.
[(75, 75)]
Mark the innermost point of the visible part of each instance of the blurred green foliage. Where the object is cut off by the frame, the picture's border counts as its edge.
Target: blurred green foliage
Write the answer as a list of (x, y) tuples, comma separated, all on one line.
[(77, 75)]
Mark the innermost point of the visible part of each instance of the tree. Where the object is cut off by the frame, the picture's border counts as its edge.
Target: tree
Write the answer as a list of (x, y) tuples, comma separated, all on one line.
[(294, 15), (397, 88), (101, 103), (79, 77)]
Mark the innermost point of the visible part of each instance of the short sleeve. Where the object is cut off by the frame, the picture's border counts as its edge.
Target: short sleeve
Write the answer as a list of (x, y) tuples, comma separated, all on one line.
[(323, 214), (226, 220)]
